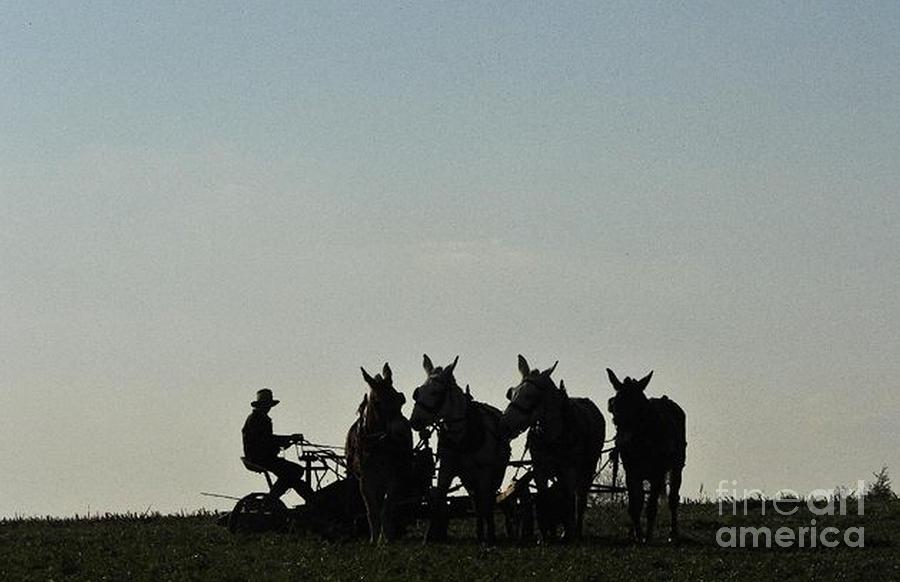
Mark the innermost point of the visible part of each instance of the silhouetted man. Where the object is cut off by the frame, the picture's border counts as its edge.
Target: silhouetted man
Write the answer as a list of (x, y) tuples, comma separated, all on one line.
[(261, 447)]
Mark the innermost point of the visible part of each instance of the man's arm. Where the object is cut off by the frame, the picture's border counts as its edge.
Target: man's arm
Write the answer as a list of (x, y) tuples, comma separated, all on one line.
[(286, 440)]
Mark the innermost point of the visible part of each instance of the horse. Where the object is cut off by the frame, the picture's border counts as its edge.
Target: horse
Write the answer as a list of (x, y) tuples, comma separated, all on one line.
[(379, 453), (650, 439), (565, 438), (470, 446)]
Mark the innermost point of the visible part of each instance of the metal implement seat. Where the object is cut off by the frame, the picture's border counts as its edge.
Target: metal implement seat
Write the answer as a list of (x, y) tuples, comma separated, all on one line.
[(251, 466)]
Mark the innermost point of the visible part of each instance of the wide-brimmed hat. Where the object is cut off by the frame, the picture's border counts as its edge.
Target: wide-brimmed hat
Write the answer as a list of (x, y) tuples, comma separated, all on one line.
[(264, 399)]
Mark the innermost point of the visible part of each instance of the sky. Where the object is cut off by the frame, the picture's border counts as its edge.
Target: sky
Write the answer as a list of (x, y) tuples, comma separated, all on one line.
[(201, 199)]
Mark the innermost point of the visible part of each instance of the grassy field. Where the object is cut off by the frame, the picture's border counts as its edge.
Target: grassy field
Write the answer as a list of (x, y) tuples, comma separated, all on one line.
[(195, 548)]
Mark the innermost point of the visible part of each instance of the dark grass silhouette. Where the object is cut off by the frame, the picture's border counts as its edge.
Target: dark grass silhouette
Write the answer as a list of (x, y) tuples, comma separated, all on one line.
[(192, 547)]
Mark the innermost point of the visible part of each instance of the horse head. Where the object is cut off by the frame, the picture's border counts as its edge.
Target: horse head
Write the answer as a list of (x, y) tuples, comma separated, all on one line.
[(431, 398), (527, 399), (630, 405), (382, 402)]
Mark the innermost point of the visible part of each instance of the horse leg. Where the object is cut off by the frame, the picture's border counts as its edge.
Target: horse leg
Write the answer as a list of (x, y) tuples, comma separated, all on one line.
[(484, 507), (674, 501), (583, 490), (437, 502), (373, 508), (389, 512), (474, 491), (635, 486), (479, 519), (656, 486), (543, 507), (569, 486)]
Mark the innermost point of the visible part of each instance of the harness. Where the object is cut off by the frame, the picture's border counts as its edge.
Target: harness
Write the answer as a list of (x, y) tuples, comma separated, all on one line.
[(568, 435), (473, 430), (376, 436), (436, 407)]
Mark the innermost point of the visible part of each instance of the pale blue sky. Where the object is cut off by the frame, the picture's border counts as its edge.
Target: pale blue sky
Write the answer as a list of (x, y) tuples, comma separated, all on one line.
[(200, 199)]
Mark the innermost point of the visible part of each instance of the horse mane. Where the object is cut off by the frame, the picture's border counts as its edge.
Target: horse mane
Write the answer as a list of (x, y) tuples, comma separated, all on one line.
[(362, 405)]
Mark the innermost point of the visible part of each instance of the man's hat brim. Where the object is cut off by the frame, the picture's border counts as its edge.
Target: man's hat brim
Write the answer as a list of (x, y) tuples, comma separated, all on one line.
[(264, 403)]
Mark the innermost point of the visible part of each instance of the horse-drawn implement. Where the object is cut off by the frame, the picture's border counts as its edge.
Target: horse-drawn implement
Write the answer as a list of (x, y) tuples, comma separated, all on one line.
[(380, 483), (337, 509)]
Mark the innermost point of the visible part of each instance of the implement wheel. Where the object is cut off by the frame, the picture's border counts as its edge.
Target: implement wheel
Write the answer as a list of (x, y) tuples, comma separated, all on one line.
[(258, 512)]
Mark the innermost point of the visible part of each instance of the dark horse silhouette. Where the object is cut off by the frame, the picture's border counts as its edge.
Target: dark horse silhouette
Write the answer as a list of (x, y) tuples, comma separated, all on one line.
[(379, 452), (565, 438), (650, 438), (470, 446)]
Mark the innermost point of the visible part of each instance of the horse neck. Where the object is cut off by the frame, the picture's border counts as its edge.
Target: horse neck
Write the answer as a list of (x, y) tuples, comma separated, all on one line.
[(651, 421), (372, 418), (554, 413), (454, 412), (648, 424)]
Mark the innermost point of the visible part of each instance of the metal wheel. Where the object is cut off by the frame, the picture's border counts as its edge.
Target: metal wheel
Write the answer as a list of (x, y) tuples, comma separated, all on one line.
[(258, 512)]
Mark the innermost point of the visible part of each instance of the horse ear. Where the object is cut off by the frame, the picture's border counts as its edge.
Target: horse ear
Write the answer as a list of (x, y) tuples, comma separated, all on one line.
[(366, 376), (426, 363), (613, 380), (449, 369), (524, 368), (386, 371), (550, 370), (562, 387), (468, 392), (642, 383)]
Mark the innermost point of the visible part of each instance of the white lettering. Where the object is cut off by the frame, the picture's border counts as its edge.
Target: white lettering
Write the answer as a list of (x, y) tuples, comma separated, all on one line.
[(824, 537), (860, 537), (756, 533), (784, 537), (732, 538), (816, 495)]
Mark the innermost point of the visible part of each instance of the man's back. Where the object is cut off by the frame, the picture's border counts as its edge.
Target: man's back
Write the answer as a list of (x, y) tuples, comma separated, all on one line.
[(259, 444)]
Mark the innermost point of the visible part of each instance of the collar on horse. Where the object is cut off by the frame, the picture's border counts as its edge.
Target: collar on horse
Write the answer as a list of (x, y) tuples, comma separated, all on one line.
[(473, 433)]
